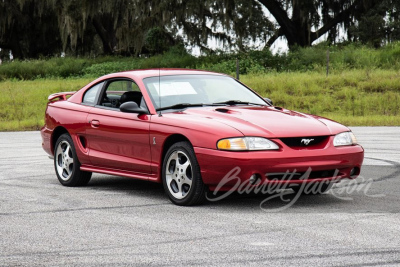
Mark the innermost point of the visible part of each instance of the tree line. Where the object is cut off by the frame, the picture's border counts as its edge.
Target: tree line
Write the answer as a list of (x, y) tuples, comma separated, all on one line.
[(43, 28)]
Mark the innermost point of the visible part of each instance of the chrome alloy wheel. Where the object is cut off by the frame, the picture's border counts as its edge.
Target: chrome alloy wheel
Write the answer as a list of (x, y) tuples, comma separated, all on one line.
[(64, 160), (179, 174)]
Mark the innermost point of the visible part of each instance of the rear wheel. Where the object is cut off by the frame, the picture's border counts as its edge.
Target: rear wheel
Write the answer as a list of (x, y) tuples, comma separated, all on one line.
[(67, 165), (181, 176)]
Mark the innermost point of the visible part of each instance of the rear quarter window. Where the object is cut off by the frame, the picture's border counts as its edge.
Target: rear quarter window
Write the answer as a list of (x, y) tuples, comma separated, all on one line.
[(90, 95)]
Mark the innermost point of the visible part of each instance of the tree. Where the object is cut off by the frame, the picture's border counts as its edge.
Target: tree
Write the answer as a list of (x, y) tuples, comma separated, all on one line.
[(120, 24), (231, 22), (124, 25), (157, 41), (235, 22), (34, 28), (28, 29), (379, 25), (303, 22)]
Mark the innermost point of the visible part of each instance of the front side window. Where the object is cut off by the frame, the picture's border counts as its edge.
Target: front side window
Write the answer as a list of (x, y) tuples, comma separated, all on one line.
[(120, 91)]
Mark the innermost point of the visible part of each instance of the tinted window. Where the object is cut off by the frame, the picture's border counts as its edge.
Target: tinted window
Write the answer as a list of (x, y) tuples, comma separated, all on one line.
[(90, 95)]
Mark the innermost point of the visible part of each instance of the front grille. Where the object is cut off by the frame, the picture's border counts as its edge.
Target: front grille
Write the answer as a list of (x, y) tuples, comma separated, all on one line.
[(287, 176), (305, 142)]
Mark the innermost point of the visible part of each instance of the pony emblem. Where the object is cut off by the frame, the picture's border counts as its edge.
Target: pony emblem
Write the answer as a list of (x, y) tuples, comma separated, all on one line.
[(306, 142)]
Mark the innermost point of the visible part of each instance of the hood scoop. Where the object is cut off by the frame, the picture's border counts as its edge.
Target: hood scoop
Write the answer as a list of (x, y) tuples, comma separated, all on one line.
[(227, 111)]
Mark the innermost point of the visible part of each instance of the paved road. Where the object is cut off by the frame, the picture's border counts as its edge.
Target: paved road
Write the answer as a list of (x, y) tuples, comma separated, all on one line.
[(119, 221)]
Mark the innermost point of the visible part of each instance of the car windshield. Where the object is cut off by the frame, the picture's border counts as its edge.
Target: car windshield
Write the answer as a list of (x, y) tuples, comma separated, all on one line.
[(193, 90)]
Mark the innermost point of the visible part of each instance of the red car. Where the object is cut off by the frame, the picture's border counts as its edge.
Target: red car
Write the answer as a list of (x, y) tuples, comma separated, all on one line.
[(192, 130)]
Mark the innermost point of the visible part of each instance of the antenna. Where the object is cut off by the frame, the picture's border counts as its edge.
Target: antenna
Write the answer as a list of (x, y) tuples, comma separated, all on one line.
[(159, 89), (159, 78)]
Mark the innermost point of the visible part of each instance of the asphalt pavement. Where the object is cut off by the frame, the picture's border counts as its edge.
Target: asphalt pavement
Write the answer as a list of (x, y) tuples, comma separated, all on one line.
[(116, 221)]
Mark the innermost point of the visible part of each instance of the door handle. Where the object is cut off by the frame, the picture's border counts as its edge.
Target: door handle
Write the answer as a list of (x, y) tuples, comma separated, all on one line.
[(95, 123)]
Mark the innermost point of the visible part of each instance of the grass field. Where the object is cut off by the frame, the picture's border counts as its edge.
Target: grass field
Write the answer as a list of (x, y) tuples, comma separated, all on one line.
[(23, 103), (352, 97)]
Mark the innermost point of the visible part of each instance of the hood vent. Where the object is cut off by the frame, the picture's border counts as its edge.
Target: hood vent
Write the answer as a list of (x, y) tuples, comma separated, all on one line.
[(223, 110), (227, 111)]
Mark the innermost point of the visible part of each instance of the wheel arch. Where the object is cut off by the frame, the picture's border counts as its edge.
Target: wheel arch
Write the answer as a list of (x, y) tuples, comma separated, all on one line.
[(196, 192), (169, 141), (58, 131)]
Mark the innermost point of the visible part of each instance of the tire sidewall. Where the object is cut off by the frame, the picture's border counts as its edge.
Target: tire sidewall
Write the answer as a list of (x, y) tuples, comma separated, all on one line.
[(71, 181), (196, 179)]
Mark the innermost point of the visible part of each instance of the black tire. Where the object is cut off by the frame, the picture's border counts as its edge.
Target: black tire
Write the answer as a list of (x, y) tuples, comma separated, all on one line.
[(313, 189), (181, 176), (67, 165)]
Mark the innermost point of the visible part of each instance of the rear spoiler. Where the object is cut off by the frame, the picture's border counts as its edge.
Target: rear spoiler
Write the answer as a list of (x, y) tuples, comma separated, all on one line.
[(60, 96)]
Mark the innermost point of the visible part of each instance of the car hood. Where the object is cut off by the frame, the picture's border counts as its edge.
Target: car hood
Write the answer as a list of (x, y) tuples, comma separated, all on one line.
[(268, 121)]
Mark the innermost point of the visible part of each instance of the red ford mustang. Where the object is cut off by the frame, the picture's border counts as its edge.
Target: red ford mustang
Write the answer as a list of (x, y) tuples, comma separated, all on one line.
[(189, 130)]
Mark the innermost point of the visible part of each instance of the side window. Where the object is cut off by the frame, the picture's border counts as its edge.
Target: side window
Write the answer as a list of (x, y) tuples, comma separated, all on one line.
[(120, 87), (121, 91), (90, 96)]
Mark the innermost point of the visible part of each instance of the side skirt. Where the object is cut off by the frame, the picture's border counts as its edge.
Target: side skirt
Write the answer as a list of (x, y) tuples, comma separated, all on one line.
[(140, 176)]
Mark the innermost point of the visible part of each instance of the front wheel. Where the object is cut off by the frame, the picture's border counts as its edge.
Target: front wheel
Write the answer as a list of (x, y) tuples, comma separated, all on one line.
[(181, 176), (67, 165)]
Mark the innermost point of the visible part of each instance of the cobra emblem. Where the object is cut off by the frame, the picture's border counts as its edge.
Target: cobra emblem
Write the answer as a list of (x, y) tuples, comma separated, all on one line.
[(306, 141)]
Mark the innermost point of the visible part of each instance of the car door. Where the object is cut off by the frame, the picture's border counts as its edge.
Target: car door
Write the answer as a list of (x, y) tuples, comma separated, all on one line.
[(118, 140)]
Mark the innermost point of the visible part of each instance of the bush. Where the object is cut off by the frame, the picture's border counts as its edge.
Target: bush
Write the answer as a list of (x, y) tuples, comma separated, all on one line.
[(341, 57)]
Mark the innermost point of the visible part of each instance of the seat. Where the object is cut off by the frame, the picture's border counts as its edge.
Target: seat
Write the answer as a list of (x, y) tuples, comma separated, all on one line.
[(134, 96)]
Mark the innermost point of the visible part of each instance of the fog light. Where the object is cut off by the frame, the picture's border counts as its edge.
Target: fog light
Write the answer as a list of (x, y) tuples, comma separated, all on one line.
[(255, 179)]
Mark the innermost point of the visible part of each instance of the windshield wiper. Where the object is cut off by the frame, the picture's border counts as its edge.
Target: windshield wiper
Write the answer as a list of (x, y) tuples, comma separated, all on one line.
[(237, 102), (188, 105), (180, 106)]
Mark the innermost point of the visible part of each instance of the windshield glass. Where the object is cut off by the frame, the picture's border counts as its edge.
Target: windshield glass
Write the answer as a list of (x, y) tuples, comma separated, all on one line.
[(197, 89)]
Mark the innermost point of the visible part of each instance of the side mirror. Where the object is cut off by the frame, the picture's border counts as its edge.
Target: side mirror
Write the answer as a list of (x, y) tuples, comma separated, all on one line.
[(269, 101), (131, 107)]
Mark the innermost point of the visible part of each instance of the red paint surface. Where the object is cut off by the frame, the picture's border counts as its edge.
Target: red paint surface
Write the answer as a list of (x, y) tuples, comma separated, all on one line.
[(122, 143)]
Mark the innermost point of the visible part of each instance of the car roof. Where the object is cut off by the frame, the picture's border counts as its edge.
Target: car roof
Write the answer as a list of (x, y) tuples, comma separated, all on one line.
[(145, 73), (141, 74)]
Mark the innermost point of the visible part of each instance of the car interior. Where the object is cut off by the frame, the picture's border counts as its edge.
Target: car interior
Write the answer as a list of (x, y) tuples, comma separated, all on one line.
[(121, 91)]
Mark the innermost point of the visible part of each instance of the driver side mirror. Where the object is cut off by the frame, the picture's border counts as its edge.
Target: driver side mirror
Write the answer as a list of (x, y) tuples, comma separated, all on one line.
[(269, 101), (131, 107)]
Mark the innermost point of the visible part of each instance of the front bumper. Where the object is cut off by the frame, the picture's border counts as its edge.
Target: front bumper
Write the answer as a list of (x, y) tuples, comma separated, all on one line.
[(225, 168)]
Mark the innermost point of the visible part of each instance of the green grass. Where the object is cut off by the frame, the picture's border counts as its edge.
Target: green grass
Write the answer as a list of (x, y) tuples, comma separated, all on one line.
[(352, 97), (23, 103), (363, 87)]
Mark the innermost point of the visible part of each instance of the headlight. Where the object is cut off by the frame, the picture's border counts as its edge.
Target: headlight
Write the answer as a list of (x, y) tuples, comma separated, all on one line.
[(246, 143), (345, 139)]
